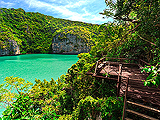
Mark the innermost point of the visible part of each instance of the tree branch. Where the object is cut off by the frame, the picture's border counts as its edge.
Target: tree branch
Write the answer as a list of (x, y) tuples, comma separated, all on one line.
[(7, 103), (147, 40), (127, 19), (18, 90), (138, 35), (130, 31)]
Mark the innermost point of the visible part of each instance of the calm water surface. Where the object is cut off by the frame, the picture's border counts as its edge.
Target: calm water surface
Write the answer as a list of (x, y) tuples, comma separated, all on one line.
[(40, 66), (31, 66)]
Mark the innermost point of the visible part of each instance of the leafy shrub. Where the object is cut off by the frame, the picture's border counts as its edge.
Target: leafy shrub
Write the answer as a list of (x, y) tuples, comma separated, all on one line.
[(107, 108), (154, 75)]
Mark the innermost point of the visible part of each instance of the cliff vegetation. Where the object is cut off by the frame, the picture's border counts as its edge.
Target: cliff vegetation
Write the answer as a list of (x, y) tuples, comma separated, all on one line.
[(34, 32)]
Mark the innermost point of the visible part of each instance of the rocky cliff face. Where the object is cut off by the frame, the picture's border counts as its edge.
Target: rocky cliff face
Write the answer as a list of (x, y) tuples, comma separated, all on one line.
[(61, 44), (11, 48), (69, 44)]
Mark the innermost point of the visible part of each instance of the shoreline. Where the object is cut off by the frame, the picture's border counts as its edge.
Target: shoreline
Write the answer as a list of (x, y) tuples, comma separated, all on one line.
[(43, 53)]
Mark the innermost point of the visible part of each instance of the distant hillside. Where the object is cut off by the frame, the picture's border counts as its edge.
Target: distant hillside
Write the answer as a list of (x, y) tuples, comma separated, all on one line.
[(29, 32)]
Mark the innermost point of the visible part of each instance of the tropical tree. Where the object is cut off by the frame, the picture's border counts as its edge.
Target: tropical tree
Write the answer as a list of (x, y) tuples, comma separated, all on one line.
[(141, 19)]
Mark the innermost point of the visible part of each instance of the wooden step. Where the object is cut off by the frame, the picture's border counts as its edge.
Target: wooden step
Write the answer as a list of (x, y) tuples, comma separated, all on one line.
[(155, 101), (141, 115), (143, 106), (128, 119), (143, 96), (144, 89)]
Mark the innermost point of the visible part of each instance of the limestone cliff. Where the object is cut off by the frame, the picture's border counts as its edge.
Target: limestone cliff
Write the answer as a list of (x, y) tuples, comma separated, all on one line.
[(10, 48), (69, 43)]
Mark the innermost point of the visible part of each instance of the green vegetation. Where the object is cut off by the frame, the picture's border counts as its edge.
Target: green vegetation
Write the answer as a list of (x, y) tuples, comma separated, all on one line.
[(34, 32), (77, 96), (141, 31), (154, 75), (73, 96)]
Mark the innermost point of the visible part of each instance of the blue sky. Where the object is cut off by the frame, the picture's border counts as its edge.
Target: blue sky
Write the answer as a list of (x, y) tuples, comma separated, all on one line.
[(76, 10)]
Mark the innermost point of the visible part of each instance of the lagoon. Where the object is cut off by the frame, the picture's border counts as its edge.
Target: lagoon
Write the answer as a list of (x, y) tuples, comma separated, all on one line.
[(31, 66), (39, 66)]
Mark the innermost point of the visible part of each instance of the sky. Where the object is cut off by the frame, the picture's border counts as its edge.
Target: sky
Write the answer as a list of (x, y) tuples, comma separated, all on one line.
[(75, 10)]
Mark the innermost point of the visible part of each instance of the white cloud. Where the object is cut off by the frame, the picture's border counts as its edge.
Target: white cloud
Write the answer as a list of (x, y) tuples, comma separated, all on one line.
[(52, 0), (8, 4), (86, 12), (76, 4), (39, 4), (66, 13)]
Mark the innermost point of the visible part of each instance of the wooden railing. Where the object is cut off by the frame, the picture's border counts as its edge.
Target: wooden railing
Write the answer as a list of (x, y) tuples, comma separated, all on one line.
[(138, 106), (143, 63), (139, 62), (125, 99), (120, 79), (115, 61)]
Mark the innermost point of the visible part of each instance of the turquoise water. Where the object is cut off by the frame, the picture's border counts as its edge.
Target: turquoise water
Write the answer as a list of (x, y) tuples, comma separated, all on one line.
[(40, 66), (31, 66)]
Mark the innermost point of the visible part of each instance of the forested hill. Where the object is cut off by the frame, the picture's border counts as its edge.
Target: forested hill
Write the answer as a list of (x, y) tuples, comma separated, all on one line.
[(34, 32)]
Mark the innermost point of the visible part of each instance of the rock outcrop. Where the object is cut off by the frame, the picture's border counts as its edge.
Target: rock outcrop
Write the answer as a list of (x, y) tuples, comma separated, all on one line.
[(12, 48), (69, 43)]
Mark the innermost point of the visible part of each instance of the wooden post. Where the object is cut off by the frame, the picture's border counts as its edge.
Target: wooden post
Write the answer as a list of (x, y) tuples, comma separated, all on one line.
[(96, 68), (125, 99), (118, 85), (119, 80)]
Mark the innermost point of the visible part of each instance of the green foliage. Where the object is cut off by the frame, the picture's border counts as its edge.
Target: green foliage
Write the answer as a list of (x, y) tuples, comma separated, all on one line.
[(112, 108), (20, 109), (87, 108), (108, 38), (66, 117), (11, 89), (134, 34), (85, 89), (51, 98), (154, 75), (140, 21), (13, 98), (79, 84), (90, 108), (34, 32), (87, 34), (42, 101), (25, 108), (73, 96)]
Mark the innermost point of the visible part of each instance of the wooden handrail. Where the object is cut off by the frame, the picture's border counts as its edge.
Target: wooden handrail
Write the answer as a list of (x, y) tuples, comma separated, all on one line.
[(119, 80), (125, 100), (145, 62), (102, 59), (121, 58), (138, 60), (96, 67)]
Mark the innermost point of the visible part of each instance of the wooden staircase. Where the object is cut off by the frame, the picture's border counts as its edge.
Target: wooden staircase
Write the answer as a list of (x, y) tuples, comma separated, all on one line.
[(141, 102), (139, 115), (134, 110)]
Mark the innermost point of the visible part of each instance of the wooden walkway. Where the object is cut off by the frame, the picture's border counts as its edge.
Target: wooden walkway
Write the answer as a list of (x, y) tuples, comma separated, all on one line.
[(129, 84), (107, 69)]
